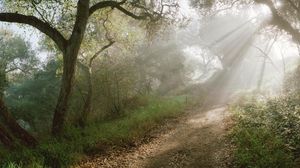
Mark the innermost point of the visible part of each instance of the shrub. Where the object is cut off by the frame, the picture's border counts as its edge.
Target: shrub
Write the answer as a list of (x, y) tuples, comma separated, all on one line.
[(259, 147), (267, 133)]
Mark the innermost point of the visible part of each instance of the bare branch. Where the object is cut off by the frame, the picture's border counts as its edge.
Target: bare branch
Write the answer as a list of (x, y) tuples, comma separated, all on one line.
[(16, 68), (98, 52), (266, 54), (226, 8), (104, 4), (117, 5), (38, 11)]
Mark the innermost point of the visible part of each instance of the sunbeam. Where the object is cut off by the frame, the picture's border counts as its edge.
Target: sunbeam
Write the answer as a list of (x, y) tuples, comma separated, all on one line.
[(149, 83)]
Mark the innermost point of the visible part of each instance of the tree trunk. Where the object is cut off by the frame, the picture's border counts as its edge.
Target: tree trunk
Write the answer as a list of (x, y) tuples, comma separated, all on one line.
[(6, 138), (88, 72), (261, 75), (217, 93), (15, 128), (69, 62), (88, 102), (10, 121), (65, 92)]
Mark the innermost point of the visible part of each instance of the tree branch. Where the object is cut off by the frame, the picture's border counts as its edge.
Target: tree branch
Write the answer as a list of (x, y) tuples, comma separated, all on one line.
[(114, 4), (15, 68), (266, 54), (294, 6), (226, 8), (104, 4), (44, 27), (98, 52), (280, 21)]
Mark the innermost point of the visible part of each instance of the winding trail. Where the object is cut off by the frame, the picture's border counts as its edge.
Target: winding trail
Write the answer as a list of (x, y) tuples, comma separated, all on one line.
[(196, 141)]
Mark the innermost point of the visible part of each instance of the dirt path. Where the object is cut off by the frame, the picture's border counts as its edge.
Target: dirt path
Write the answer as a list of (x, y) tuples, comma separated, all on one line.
[(195, 142)]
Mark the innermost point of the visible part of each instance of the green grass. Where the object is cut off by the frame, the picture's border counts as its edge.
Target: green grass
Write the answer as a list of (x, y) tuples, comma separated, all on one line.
[(98, 136)]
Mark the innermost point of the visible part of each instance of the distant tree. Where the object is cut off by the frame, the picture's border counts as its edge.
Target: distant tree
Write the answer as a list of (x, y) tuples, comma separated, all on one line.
[(88, 72), (33, 99), (110, 34), (285, 16), (162, 64), (15, 56)]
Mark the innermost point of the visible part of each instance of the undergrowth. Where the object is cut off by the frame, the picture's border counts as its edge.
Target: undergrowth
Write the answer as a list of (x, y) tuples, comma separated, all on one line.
[(267, 133), (96, 137)]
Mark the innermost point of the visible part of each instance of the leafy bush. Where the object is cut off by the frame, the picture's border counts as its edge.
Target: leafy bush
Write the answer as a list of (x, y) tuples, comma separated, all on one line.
[(267, 134), (259, 147)]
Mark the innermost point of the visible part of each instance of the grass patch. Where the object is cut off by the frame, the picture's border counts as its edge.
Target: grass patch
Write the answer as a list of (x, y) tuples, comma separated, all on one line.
[(123, 131)]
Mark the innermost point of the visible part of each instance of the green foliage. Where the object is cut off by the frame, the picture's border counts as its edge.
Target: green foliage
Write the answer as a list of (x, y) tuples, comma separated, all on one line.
[(33, 99), (259, 147), (114, 81), (163, 74), (267, 134), (10, 165), (16, 57), (126, 130), (292, 81)]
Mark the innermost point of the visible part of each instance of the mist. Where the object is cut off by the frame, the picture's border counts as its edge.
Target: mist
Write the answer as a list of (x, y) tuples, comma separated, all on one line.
[(158, 83)]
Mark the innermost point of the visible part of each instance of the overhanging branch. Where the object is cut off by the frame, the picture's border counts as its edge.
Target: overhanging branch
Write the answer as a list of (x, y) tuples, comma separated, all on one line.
[(44, 27), (117, 5), (104, 4), (279, 21)]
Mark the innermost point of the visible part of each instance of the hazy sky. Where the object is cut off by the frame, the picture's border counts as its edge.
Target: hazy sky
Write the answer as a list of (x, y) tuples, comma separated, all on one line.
[(33, 36)]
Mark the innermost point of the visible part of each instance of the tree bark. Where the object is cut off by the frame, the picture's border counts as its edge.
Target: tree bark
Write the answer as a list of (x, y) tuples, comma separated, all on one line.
[(15, 128), (61, 108), (6, 138), (69, 63), (88, 101)]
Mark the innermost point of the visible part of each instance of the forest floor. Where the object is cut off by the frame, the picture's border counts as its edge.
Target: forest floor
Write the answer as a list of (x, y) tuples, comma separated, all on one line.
[(196, 140)]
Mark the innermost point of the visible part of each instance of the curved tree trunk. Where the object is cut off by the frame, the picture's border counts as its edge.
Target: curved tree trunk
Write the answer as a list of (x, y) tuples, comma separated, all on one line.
[(6, 138), (88, 101), (88, 72), (15, 128)]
